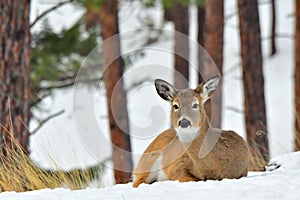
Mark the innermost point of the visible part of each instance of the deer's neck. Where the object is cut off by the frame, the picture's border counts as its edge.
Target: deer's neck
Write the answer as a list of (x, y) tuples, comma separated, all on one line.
[(188, 135), (203, 145)]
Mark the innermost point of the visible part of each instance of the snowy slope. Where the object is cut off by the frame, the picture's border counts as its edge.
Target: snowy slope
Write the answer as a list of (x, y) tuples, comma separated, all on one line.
[(276, 186)]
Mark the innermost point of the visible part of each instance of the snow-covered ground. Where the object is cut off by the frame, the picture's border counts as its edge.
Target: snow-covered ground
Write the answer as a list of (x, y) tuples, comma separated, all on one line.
[(289, 161), (282, 183), (270, 185)]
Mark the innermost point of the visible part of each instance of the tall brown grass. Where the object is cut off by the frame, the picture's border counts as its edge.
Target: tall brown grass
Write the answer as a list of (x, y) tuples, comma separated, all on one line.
[(18, 173)]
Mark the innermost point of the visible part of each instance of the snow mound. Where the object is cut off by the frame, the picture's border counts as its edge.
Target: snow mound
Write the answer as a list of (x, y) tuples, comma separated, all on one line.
[(269, 185), (289, 161)]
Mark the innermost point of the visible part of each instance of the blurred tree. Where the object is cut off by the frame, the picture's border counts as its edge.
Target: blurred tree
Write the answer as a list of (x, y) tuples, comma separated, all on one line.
[(297, 76), (213, 44), (200, 39), (253, 82), (14, 72), (273, 28), (116, 95), (180, 17), (177, 11), (210, 36)]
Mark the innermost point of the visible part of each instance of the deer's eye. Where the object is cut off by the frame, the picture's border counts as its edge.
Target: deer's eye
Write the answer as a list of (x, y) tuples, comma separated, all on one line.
[(176, 107), (195, 106)]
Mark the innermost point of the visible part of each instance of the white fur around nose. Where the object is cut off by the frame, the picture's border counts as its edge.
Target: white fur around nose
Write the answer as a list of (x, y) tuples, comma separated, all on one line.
[(187, 135)]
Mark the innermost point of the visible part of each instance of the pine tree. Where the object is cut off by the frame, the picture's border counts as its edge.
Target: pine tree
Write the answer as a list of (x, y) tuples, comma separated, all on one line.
[(180, 17), (14, 72), (213, 44), (200, 40), (273, 29), (297, 76), (253, 82), (118, 120)]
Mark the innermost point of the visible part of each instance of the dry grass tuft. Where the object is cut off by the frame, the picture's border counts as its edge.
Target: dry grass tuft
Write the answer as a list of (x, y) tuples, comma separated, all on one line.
[(18, 173)]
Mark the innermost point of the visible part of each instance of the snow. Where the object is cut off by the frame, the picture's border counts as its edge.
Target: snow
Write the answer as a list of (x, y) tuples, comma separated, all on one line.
[(289, 161), (275, 185), (55, 18)]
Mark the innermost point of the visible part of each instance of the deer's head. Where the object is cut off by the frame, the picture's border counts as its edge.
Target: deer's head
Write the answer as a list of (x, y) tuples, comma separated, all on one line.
[(188, 114)]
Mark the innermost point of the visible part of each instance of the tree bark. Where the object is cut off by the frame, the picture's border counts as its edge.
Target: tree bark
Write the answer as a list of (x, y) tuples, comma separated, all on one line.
[(167, 14), (213, 44), (297, 76), (180, 17), (273, 29), (253, 82), (200, 39), (15, 54), (116, 96)]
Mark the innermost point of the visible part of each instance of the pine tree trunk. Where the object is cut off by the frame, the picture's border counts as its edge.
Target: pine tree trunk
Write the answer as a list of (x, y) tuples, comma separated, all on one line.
[(253, 82), (273, 29), (180, 17), (167, 14), (297, 76), (116, 96), (213, 44), (14, 72), (200, 39)]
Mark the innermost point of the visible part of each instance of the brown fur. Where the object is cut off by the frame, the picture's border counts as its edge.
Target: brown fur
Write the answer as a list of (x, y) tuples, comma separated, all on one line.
[(227, 159), (215, 154)]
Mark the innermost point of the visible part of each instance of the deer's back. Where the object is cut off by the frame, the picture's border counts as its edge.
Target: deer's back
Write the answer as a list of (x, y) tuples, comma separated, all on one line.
[(229, 157)]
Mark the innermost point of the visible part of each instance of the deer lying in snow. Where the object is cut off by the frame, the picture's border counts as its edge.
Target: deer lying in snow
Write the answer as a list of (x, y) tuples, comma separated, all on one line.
[(192, 150)]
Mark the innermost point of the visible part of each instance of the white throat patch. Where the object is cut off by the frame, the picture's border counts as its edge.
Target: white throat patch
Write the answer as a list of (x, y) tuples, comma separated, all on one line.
[(187, 135)]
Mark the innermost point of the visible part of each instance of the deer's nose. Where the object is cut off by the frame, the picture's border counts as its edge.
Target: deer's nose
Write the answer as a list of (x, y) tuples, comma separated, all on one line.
[(184, 123)]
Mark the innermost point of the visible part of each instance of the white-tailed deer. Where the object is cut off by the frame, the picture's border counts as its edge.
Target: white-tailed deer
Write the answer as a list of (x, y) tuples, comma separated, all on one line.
[(192, 150)]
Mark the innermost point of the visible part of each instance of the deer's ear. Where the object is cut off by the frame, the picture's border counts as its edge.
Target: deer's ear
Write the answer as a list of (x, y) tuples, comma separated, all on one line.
[(207, 88), (165, 90)]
